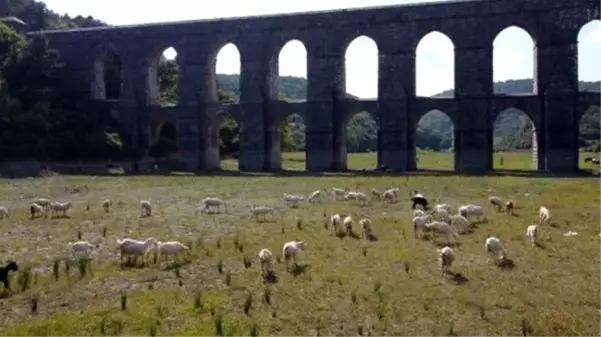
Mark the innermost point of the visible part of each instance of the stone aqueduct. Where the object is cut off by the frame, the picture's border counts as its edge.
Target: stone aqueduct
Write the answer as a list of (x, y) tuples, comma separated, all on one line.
[(555, 107)]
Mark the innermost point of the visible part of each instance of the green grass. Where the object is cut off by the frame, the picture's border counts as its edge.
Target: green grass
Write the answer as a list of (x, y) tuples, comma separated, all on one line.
[(349, 286)]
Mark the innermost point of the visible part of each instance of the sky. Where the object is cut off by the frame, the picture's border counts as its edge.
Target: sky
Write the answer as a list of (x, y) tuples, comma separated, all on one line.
[(512, 58)]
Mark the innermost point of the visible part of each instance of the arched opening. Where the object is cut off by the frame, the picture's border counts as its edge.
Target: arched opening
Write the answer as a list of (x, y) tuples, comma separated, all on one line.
[(435, 142), (293, 143), (361, 142), (229, 142), (589, 136), (107, 76), (292, 88), (515, 143), (513, 62), (435, 66), (227, 82), (589, 54), (165, 144), (361, 68), (168, 78)]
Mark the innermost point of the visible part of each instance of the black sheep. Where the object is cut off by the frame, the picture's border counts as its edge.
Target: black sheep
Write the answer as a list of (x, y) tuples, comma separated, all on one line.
[(419, 199), (11, 266)]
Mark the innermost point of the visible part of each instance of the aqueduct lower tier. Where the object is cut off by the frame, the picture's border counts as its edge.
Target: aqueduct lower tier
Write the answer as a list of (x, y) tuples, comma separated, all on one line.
[(555, 107)]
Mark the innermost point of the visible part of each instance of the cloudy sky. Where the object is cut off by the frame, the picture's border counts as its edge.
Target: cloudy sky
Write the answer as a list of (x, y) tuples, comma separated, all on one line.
[(512, 48)]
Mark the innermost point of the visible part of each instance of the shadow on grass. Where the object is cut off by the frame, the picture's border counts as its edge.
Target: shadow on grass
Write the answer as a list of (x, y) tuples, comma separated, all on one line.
[(459, 278), (506, 264), (299, 269), (270, 277)]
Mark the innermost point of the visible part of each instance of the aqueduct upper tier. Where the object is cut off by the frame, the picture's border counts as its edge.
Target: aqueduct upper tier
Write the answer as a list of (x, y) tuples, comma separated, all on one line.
[(555, 107)]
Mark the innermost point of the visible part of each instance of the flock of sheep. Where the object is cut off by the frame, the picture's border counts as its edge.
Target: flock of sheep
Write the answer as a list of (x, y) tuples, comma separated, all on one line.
[(426, 219)]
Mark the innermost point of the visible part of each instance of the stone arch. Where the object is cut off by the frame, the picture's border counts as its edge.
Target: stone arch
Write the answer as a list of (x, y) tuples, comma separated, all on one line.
[(360, 137), (589, 54), (107, 77), (504, 63), (427, 51), (165, 78), (358, 52), (515, 140), (226, 73), (165, 141), (289, 87), (434, 140), (589, 126), (225, 139), (292, 138)]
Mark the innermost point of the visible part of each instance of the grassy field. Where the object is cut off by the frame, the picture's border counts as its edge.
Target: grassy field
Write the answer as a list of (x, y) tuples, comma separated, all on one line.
[(388, 287)]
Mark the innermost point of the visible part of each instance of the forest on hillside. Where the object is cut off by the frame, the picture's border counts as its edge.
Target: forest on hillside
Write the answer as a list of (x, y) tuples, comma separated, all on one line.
[(38, 119)]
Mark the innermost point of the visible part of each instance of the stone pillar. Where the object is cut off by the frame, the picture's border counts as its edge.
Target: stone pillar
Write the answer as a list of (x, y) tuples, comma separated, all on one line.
[(198, 125), (473, 88), (325, 88), (556, 64), (396, 144)]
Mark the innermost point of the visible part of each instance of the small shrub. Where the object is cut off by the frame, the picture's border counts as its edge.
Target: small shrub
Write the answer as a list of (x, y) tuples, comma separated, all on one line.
[(79, 235), (83, 266), (267, 295), (377, 286), (34, 304), (228, 279), (123, 302), (104, 232), (24, 279), (218, 243), (67, 266), (247, 262), (299, 224), (153, 330), (177, 273), (254, 330), (208, 252), (283, 229), (364, 251), (354, 296), (248, 303), (220, 267), (218, 323), (360, 330), (198, 300), (56, 269)]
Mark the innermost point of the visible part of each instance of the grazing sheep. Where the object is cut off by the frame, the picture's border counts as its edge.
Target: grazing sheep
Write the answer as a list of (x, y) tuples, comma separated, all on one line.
[(264, 211), (11, 266), (60, 207), (419, 224), (544, 215), (135, 248), (170, 248), (315, 196), (495, 249), (447, 256), (441, 214), (391, 195), (42, 202), (339, 193), (265, 257), (145, 208), (80, 247), (509, 206), (460, 223), (532, 234), (438, 227), (358, 196), (377, 195), (335, 223), (293, 201), (106, 205), (496, 202), (4, 213), (418, 212), (36, 211), (290, 251), (366, 227), (471, 210), (347, 224), (212, 202), (445, 207), (420, 200)]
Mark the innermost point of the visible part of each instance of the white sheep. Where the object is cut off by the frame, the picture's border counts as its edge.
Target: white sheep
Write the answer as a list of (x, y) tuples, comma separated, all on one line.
[(358, 196), (447, 256), (60, 207), (441, 214), (460, 223), (36, 211), (445, 207), (339, 193), (135, 248), (375, 194), (170, 248), (42, 202), (419, 224), (495, 249), (293, 201), (471, 210), (544, 215), (265, 258), (391, 195), (79, 247), (106, 205), (347, 224), (315, 196), (438, 227), (532, 234), (213, 202), (366, 227), (264, 211), (496, 202), (145, 208), (418, 212), (335, 223), (290, 251), (4, 212)]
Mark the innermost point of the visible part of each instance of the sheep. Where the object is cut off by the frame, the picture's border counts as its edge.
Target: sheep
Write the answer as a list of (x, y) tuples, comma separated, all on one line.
[(532, 234), (170, 248), (42, 202), (257, 211), (213, 202), (366, 227), (36, 211), (496, 202), (390, 195), (420, 200), (290, 251), (447, 256), (335, 223), (80, 247), (441, 214), (471, 210), (145, 208), (293, 201), (544, 215), (265, 256), (377, 195), (60, 207), (445, 207), (419, 223), (459, 222), (358, 196), (339, 193), (135, 248), (418, 212), (106, 205), (495, 249), (315, 196), (509, 206), (4, 212), (347, 224), (11, 266), (438, 227)]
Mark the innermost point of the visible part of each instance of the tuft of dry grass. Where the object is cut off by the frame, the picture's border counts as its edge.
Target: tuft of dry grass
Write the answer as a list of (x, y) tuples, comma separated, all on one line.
[(391, 286)]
